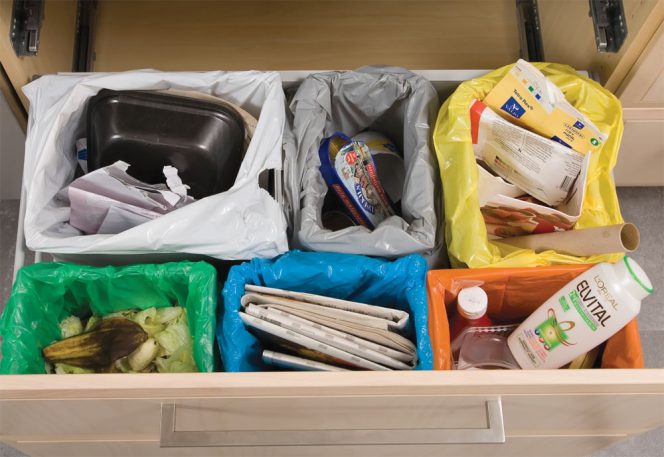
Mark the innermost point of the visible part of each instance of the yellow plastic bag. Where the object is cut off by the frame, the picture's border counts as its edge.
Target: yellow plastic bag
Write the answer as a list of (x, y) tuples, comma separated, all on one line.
[(465, 231)]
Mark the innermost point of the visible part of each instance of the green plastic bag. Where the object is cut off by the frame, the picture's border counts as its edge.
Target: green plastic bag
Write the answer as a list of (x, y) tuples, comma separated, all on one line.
[(46, 293)]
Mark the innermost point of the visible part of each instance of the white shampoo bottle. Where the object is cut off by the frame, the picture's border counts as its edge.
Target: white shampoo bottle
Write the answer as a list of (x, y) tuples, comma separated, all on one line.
[(581, 315)]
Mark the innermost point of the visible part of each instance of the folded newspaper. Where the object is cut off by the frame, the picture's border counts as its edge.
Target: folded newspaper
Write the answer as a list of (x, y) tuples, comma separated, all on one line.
[(327, 331), (291, 362)]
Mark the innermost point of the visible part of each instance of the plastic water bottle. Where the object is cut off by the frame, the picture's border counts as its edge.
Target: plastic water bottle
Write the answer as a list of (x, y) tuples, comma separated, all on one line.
[(472, 303)]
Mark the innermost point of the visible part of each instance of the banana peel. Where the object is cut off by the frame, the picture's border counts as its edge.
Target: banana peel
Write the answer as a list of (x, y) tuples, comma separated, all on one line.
[(98, 349)]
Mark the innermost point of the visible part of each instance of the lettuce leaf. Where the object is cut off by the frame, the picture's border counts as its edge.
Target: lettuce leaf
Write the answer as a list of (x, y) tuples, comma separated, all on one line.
[(174, 336), (148, 320), (71, 326), (168, 314), (181, 361)]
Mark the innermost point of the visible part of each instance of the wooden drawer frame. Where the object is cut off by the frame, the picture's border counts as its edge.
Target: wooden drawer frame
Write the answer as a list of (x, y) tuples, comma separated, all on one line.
[(302, 413), (573, 411), (562, 412)]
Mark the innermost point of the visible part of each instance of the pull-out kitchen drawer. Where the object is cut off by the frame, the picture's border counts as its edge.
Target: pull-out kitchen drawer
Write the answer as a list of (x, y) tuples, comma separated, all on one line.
[(564, 412), (470, 413)]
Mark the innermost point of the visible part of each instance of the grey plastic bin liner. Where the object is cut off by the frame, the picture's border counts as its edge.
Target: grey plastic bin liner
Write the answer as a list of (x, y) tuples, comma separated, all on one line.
[(401, 105)]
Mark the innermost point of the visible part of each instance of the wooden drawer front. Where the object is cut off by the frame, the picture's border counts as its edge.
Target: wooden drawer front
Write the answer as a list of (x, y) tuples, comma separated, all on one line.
[(237, 418), (549, 446), (400, 418), (444, 413)]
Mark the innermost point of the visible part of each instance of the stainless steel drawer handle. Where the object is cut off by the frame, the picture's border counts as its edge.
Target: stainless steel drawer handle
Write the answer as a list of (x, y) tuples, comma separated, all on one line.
[(493, 433)]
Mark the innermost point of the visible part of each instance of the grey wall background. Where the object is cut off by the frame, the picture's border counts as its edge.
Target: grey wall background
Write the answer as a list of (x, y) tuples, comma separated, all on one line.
[(12, 140)]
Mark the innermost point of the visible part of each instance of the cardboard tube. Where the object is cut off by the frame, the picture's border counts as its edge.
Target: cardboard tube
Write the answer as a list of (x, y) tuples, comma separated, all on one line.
[(582, 242)]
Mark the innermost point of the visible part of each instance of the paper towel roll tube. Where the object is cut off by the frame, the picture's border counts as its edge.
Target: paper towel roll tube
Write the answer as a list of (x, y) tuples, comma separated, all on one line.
[(582, 242)]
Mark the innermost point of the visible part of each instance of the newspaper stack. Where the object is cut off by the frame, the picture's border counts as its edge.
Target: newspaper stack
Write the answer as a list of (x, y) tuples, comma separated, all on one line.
[(311, 332)]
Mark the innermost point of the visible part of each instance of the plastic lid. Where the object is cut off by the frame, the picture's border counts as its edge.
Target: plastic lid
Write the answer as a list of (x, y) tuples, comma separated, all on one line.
[(472, 302), (633, 279)]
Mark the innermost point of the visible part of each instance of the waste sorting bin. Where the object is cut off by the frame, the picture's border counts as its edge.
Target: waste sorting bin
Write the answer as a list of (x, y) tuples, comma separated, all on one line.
[(465, 228), (513, 294), (46, 293), (241, 222), (395, 103), (398, 284)]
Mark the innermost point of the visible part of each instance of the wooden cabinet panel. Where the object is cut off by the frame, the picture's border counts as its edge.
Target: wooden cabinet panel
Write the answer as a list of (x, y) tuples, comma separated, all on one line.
[(548, 446), (569, 38), (311, 35), (644, 83), (56, 45), (641, 158), (115, 407), (523, 415), (317, 35)]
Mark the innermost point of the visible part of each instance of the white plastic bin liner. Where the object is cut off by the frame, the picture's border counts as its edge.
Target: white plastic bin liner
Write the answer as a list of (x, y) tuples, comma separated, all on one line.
[(399, 104), (241, 223)]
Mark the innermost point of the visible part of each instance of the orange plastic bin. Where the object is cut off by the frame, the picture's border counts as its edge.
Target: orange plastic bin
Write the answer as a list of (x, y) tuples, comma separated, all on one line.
[(513, 294)]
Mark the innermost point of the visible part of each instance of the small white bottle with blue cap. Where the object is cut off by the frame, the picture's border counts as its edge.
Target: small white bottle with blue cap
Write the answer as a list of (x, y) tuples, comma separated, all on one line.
[(580, 316)]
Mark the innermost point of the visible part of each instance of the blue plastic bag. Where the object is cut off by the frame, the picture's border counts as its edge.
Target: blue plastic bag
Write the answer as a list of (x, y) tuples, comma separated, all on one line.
[(399, 284)]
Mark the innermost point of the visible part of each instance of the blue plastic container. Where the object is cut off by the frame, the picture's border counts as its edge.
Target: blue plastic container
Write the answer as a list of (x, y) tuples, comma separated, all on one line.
[(399, 284)]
